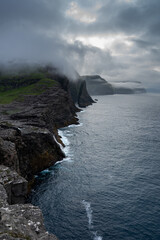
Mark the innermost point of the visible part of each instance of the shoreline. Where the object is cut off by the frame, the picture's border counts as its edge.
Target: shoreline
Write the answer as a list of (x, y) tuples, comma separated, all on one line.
[(29, 143)]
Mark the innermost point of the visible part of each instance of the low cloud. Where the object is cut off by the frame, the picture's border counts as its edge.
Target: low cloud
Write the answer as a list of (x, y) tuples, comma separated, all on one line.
[(118, 39)]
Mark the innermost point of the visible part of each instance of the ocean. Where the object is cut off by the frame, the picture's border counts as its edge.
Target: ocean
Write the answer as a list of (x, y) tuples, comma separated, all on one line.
[(108, 186)]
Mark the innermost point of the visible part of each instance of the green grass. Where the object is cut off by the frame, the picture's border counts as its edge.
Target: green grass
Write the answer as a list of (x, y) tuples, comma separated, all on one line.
[(37, 88), (8, 82)]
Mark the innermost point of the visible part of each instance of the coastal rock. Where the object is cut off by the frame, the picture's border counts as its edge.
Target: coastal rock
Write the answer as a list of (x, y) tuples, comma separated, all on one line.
[(28, 131), (75, 88), (37, 150), (3, 197), (15, 185), (8, 153), (79, 93), (84, 98), (29, 144), (20, 221)]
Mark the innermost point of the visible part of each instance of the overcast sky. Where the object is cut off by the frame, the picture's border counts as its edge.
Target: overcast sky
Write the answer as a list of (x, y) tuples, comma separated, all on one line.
[(118, 39)]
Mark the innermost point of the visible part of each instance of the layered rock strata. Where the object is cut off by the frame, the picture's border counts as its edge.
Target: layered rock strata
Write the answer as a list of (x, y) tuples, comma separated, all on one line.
[(28, 145), (18, 221), (27, 129)]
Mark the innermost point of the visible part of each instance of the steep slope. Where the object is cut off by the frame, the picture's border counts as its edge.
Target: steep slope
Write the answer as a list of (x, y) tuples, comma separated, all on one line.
[(97, 85)]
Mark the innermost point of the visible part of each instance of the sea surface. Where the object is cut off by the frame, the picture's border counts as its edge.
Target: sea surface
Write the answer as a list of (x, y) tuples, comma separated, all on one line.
[(108, 187)]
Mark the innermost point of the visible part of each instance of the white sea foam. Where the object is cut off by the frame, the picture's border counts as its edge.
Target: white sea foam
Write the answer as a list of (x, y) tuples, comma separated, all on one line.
[(97, 237), (45, 171), (89, 212), (67, 159), (65, 149), (64, 138), (76, 125)]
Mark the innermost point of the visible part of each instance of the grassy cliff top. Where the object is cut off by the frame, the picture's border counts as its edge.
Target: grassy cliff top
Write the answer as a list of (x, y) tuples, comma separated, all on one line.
[(15, 87)]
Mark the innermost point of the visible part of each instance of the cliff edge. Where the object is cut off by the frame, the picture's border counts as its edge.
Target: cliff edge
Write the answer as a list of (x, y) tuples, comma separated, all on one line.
[(32, 107)]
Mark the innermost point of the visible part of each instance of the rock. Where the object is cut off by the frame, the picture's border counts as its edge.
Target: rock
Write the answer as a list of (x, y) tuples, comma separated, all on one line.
[(3, 197), (18, 221), (27, 141), (76, 89), (28, 145), (37, 150), (79, 93), (8, 153), (22, 222), (15, 185), (84, 98)]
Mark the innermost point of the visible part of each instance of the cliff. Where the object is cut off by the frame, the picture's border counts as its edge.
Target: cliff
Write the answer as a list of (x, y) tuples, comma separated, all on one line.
[(128, 87), (18, 221), (27, 144), (32, 108), (99, 86), (75, 87)]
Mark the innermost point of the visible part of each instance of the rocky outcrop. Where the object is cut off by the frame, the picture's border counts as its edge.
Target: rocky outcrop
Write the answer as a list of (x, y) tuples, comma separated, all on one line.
[(16, 186), (18, 221), (79, 93), (76, 88), (27, 142), (28, 145)]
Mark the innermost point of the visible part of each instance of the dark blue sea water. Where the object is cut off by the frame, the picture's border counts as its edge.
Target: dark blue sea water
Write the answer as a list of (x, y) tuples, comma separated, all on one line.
[(109, 185)]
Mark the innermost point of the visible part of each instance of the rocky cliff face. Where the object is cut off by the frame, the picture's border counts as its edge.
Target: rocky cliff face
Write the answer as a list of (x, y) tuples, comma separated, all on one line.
[(76, 88), (18, 221), (28, 145), (38, 104)]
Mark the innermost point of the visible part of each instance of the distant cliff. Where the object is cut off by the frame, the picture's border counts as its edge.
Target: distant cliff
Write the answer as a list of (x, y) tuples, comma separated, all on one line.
[(96, 85), (126, 87)]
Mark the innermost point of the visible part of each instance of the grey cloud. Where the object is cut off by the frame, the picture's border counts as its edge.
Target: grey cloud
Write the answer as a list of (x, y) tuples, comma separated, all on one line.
[(40, 31)]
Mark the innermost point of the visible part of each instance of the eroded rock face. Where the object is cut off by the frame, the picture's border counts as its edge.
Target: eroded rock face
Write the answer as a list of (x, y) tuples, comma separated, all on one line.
[(76, 88), (27, 142), (8, 153), (28, 145), (16, 186), (19, 221), (22, 222), (37, 150), (3, 197)]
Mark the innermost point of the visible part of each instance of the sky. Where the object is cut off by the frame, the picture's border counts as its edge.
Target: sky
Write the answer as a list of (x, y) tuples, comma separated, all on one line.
[(117, 39)]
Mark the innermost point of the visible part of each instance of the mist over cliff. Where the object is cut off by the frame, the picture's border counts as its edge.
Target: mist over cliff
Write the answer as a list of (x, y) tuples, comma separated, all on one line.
[(116, 39)]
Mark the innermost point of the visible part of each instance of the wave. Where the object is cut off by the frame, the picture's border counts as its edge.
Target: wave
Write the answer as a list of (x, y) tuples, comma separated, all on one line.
[(89, 212), (64, 160), (75, 125), (65, 149)]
